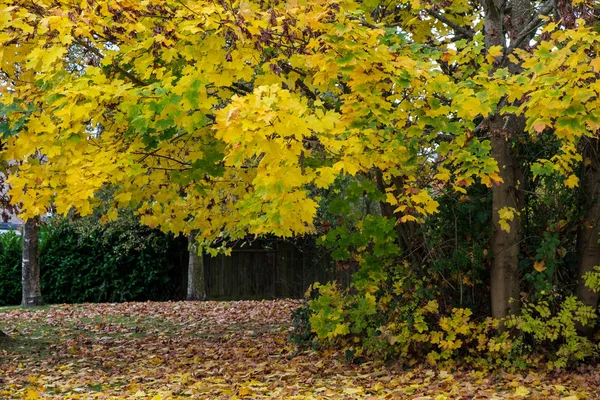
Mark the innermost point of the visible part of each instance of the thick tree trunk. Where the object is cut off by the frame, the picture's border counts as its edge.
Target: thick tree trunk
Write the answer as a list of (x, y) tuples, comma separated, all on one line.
[(32, 294), (504, 274), (196, 289), (588, 248)]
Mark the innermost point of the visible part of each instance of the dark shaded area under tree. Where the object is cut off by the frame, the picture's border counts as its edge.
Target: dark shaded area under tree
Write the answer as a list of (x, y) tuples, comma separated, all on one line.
[(125, 261)]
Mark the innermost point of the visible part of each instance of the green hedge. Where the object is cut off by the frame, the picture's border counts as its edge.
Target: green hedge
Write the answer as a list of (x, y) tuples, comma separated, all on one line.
[(85, 261), (10, 268)]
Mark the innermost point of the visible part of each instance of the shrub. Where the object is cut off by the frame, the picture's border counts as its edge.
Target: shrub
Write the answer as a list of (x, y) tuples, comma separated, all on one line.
[(395, 309), (400, 326), (85, 261), (551, 324), (120, 261), (395, 322), (10, 269)]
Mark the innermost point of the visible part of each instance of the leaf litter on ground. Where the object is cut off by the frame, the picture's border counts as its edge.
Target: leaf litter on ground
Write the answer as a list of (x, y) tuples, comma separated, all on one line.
[(224, 350)]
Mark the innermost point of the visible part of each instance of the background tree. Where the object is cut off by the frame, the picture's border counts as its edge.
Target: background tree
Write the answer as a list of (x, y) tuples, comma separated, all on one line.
[(32, 292), (196, 286)]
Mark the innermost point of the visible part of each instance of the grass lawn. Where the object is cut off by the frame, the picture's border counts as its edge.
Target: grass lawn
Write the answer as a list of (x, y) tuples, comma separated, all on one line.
[(228, 350)]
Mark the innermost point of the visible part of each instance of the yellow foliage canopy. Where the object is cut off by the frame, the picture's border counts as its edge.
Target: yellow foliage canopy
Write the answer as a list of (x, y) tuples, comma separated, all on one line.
[(224, 117)]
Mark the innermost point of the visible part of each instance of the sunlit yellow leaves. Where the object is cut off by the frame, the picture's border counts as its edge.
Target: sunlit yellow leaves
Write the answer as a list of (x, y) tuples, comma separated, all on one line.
[(326, 177), (408, 218), (346, 166), (123, 199), (431, 307), (469, 106), (443, 175), (230, 113), (391, 199)]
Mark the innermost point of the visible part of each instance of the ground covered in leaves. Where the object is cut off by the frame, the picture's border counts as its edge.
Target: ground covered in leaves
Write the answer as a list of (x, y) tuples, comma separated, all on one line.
[(223, 350)]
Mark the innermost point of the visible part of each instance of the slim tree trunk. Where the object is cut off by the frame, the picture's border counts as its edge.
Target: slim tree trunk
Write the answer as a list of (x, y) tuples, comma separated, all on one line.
[(504, 274), (196, 289), (32, 294), (588, 248)]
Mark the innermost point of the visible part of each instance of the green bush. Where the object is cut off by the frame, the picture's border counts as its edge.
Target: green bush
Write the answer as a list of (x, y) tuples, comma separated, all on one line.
[(10, 269), (85, 261)]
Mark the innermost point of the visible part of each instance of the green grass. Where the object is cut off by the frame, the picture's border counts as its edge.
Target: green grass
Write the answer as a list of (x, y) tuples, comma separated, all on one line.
[(32, 309)]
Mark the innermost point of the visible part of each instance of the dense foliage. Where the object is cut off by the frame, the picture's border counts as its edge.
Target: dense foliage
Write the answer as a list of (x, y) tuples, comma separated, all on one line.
[(10, 268), (447, 151), (85, 261)]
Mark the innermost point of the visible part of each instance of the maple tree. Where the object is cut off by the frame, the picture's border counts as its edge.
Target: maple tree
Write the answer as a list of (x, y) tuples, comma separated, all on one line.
[(273, 102), (196, 286), (227, 119)]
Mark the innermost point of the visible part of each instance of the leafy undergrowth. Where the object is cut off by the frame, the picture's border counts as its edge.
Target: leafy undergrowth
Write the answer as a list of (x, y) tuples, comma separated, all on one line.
[(223, 350)]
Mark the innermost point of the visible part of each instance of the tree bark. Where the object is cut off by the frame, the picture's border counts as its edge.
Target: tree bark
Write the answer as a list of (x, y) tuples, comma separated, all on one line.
[(196, 289), (504, 274), (32, 294), (588, 248)]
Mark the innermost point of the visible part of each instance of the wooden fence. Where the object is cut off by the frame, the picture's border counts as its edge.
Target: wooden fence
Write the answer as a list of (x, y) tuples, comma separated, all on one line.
[(282, 271)]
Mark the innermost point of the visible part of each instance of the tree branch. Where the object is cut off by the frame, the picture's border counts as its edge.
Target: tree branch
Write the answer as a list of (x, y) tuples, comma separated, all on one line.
[(114, 65), (532, 26), (467, 32)]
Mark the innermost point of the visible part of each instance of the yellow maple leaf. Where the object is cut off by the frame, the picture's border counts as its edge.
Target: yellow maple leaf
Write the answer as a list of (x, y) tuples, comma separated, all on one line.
[(31, 394), (326, 177), (357, 390), (506, 214), (390, 198), (521, 391), (493, 52), (572, 181), (539, 266)]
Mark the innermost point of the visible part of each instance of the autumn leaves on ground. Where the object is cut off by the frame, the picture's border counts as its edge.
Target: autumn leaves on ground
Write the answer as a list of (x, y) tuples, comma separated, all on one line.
[(223, 350)]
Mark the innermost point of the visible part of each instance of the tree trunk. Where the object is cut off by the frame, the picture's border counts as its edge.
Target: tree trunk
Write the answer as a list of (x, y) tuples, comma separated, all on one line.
[(196, 289), (504, 274), (32, 294), (588, 248)]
